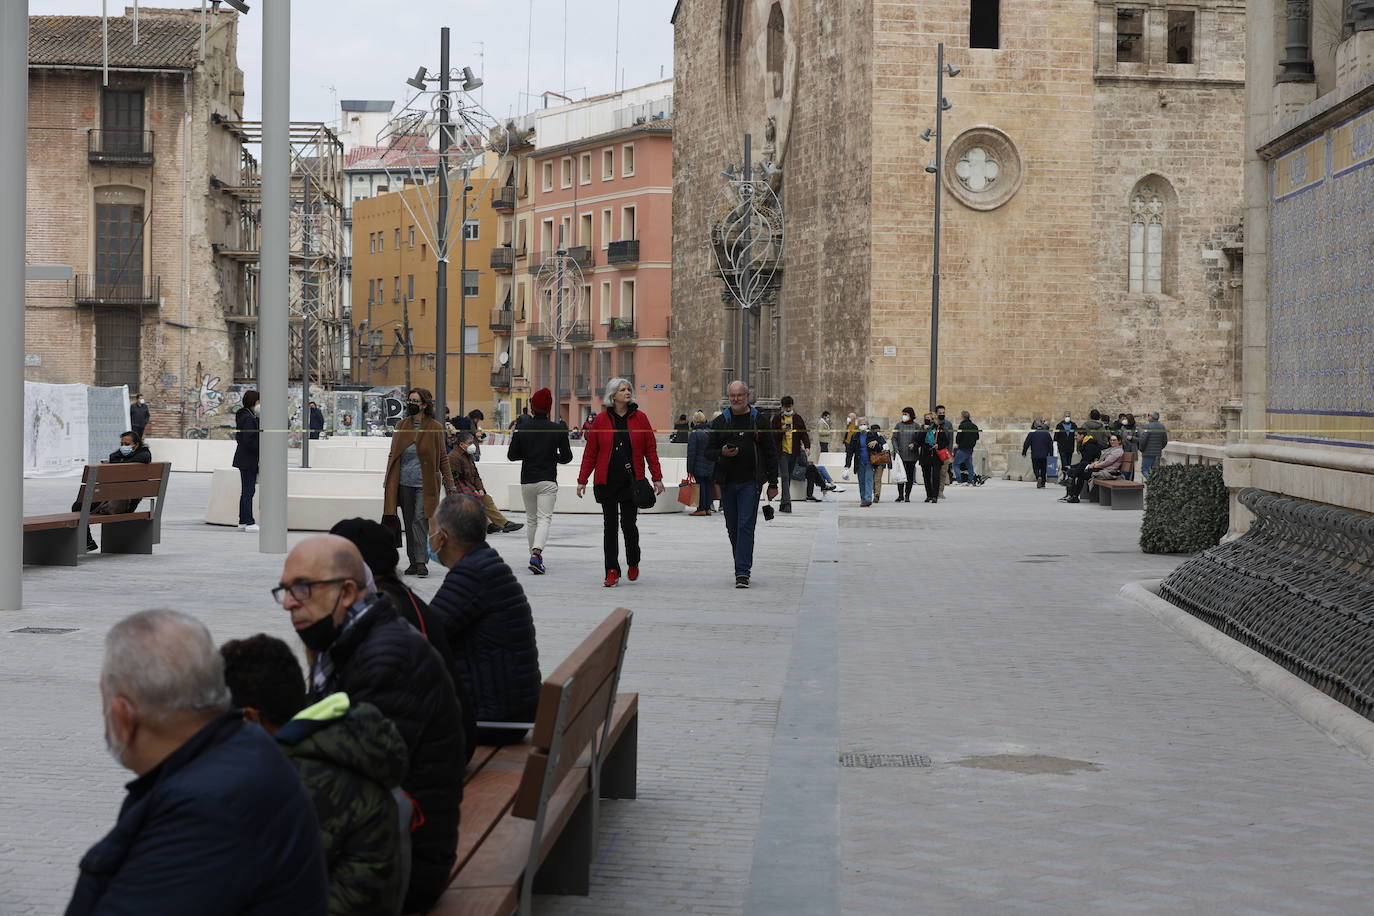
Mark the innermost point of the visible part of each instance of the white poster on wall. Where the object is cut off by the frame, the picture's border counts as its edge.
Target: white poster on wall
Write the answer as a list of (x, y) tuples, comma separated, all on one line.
[(58, 420)]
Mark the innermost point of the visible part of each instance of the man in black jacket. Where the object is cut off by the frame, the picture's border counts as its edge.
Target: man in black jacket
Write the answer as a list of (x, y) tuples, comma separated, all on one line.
[(792, 441), (1089, 450), (359, 646), (138, 415), (217, 821), (540, 445), (488, 620), (246, 432), (744, 450)]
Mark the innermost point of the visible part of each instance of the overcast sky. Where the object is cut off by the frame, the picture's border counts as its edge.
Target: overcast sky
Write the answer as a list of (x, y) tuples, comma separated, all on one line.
[(365, 49)]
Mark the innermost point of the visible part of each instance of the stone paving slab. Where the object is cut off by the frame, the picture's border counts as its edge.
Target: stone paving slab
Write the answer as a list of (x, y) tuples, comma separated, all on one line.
[(985, 625)]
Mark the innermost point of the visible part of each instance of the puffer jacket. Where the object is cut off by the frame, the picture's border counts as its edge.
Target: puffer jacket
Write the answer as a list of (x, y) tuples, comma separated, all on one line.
[(698, 465), (384, 661), (350, 758), (490, 631)]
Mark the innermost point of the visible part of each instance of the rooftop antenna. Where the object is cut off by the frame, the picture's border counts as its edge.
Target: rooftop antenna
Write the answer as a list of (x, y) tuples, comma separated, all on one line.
[(565, 48), (482, 71), (529, 49), (615, 68)]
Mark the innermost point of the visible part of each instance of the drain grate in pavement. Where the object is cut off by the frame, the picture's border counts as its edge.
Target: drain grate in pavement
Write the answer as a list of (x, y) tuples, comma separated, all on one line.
[(869, 761), (45, 631), (868, 521)]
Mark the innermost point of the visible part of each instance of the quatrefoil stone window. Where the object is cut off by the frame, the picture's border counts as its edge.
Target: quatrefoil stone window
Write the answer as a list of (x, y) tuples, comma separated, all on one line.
[(982, 168)]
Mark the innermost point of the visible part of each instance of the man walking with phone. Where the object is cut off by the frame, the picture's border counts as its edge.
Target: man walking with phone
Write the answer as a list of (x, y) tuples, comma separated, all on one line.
[(744, 451)]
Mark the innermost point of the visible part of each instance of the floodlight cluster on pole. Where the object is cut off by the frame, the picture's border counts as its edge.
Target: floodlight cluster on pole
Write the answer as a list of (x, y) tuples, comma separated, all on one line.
[(441, 133)]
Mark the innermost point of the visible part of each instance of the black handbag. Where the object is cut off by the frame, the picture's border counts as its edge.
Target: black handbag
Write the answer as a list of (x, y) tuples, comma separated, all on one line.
[(644, 494), (392, 523)]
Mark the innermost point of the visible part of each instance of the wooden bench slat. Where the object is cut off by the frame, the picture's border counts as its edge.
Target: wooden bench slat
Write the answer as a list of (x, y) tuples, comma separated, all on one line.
[(577, 737), (126, 517), (486, 799), (49, 522), (476, 901), (481, 755), (597, 656), (134, 489), (126, 472), (1120, 484)]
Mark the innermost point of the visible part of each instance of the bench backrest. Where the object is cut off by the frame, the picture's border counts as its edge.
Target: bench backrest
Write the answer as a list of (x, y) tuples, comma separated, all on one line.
[(1127, 462), (133, 480), (574, 702)]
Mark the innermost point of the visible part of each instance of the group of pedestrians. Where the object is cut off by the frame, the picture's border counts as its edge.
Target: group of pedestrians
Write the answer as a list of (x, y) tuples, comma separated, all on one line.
[(264, 788), (1095, 449)]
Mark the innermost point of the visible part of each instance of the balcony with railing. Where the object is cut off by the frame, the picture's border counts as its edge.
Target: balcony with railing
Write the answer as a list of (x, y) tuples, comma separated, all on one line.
[(623, 254), (133, 291), (503, 198), (503, 259), (502, 320), (539, 335), (583, 386), (119, 147), (563, 386), (580, 255), (621, 329), (500, 378), (581, 332)]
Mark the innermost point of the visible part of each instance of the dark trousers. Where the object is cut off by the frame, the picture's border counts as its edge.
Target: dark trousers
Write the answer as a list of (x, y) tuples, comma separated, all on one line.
[(786, 464), (931, 474), (1065, 458), (1078, 476), (1038, 466), (703, 493), (248, 485), (412, 501), (904, 489), (740, 503), (618, 509)]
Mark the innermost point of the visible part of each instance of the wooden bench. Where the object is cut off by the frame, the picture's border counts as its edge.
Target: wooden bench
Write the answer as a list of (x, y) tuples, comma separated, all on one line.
[(59, 539), (529, 810), (1120, 494)]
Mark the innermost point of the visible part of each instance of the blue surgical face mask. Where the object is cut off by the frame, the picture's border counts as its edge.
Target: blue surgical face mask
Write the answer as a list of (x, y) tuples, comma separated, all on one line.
[(429, 547), (126, 450)]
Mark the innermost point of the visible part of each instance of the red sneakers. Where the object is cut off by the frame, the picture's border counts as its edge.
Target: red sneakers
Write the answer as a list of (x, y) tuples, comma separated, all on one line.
[(632, 573), (612, 577)]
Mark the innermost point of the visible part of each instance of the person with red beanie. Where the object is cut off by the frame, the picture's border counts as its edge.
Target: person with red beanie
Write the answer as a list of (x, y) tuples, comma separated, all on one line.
[(620, 447), (540, 445)]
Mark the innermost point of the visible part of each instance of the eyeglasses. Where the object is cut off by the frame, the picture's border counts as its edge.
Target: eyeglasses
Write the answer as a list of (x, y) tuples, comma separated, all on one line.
[(301, 590)]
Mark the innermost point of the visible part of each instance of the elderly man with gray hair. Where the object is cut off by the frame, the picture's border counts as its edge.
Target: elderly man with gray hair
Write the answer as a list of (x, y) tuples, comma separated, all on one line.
[(1151, 442), (217, 821)]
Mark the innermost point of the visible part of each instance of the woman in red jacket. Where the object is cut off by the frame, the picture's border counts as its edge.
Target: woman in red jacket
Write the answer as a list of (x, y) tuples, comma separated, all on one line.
[(620, 446)]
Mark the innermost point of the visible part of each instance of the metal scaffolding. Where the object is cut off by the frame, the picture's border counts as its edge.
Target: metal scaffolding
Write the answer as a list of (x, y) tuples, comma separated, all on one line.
[(317, 252)]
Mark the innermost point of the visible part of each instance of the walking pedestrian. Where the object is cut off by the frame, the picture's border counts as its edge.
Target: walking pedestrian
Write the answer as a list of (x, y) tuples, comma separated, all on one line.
[(138, 415), (905, 440), (699, 466), (932, 453), (964, 442), (540, 445), (681, 429), (247, 428), (1064, 439), (1039, 443), (792, 440), (863, 463), (1152, 439), (417, 472), (620, 447), (825, 431), (947, 472), (851, 426), (316, 420), (746, 458), (880, 459)]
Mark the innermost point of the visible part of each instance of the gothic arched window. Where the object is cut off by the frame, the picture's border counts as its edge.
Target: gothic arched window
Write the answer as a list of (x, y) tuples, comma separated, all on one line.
[(1149, 212), (777, 51)]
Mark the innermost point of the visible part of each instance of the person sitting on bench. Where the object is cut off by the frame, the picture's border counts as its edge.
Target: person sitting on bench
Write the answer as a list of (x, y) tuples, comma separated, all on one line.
[(1106, 466), (131, 449)]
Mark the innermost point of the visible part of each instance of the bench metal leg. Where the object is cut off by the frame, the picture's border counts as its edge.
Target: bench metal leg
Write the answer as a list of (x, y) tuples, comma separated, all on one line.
[(619, 771), (568, 869), (1105, 495), (128, 537), (1129, 499), (55, 547)]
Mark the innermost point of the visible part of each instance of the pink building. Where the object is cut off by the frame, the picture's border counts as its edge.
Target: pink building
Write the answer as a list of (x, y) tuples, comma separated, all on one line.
[(609, 198)]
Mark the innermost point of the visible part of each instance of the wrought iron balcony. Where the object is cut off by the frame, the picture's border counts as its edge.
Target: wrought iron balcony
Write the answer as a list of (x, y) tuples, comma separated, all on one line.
[(580, 255), (581, 332), (503, 198), (583, 386), (503, 259), (623, 253), (500, 378), (134, 291), (502, 320), (119, 147), (621, 329), (539, 336)]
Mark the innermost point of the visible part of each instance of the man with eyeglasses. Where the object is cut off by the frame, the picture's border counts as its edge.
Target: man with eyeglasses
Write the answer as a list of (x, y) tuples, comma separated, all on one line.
[(358, 645)]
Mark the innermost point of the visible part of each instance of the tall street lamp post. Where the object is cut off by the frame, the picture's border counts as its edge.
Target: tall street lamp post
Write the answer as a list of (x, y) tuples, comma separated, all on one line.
[(936, 168)]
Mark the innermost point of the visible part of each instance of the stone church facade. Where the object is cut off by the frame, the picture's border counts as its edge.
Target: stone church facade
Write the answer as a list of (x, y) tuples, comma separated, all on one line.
[(1091, 241)]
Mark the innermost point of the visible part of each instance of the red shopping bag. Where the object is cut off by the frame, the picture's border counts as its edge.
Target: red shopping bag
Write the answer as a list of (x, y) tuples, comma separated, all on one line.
[(687, 491)]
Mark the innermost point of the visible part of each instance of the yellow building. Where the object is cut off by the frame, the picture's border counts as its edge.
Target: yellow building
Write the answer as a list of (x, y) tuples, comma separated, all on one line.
[(394, 282)]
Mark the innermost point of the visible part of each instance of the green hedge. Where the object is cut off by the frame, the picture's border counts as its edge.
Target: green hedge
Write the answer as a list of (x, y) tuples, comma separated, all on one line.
[(1186, 509)]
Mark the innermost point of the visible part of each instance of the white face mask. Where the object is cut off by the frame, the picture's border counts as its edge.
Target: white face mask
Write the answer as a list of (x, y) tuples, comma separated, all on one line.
[(115, 748), (126, 450), (471, 449), (257, 408), (906, 418), (787, 413)]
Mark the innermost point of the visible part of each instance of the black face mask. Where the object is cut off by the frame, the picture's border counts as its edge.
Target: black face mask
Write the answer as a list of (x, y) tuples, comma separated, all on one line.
[(320, 635), (412, 409)]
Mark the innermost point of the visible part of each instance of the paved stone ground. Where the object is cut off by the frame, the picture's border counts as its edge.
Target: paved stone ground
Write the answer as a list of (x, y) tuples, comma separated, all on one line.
[(1081, 757)]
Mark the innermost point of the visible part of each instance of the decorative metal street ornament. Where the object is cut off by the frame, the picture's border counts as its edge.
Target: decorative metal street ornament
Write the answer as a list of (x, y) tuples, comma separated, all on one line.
[(559, 288)]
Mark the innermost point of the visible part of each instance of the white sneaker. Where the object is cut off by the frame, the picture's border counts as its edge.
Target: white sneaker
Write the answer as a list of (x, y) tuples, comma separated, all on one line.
[(251, 528), (243, 527)]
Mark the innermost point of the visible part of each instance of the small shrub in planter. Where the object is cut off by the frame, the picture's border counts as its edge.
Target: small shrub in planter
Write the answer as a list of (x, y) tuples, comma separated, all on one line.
[(1186, 509)]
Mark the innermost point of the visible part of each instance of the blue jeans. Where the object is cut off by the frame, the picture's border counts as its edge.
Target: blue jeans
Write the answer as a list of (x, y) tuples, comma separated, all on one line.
[(248, 484), (865, 472), (703, 494), (1147, 463), (963, 461), (740, 503)]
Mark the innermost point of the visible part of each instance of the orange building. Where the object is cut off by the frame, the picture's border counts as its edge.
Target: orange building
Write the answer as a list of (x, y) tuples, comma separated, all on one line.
[(609, 198)]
